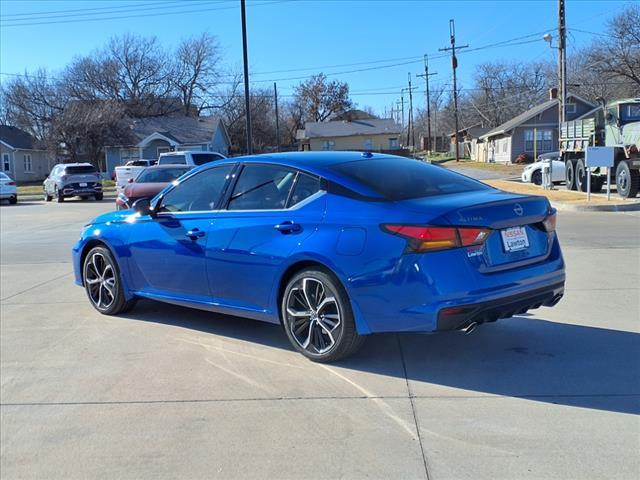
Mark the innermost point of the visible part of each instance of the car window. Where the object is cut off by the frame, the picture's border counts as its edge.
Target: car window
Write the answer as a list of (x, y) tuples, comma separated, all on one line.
[(78, 169), (402, 178), (200, 192), (160, 175), (202, 158), (262, 187), (306, 185), (172, 160), (3, 176)]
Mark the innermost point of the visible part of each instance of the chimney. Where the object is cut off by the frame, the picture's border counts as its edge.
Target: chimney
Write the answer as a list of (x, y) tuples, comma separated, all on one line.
[(553, 93)]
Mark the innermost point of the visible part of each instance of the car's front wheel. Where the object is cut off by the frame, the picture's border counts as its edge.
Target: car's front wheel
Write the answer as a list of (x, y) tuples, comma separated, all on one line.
[(536, 177), (103, 284), (317, 316)]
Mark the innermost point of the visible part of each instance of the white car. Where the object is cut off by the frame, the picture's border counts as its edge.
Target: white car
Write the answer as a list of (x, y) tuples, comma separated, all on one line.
[(8, 189), (193, 158), (532, 173)]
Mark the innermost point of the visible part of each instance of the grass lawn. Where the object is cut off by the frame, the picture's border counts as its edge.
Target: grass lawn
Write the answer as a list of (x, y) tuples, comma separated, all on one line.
[(35, 188)]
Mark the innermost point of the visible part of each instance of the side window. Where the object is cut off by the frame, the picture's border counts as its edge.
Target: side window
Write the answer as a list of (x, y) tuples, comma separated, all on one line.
[(306, 185), (262, 187), (172, 160), (198, 193)]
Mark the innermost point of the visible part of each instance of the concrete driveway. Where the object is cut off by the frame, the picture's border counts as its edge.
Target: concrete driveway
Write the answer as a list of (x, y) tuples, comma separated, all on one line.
[(168, 392)]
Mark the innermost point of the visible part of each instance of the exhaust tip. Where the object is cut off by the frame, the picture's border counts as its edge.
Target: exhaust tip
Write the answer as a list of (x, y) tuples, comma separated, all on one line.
[(469, 328)]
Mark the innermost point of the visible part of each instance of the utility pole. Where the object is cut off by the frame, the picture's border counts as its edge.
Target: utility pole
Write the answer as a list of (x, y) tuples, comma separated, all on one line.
[(275, 97), (410, 127), (454, 65), (562, 62), (245, 56), (426, 76), (401, 103)]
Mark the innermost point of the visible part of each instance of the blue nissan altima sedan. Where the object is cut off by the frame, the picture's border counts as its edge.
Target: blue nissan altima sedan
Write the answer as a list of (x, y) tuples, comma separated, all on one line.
[(333, 246)]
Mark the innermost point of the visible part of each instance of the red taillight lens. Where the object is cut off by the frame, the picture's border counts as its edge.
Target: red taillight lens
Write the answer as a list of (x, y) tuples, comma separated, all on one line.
[(549, 223), (427, 238), (11, 183)]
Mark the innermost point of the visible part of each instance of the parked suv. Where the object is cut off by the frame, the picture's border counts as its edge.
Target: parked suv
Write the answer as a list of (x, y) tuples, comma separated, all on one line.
[(73, 180), (193, 158), (8, 189)]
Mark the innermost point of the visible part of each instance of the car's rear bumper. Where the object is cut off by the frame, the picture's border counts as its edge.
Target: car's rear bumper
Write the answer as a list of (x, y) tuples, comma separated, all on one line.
[(73, 191), (463, 316)]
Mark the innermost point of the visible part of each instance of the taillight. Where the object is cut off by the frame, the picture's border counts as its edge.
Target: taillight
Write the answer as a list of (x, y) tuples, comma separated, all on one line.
[(428, 238), (11, 183), (549, 223)]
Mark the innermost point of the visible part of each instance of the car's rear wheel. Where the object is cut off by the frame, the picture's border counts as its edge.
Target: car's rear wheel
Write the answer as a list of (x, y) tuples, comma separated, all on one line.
[(627, 180), (536, 177), (103, 284), (317, 316), (13, 200), (570, 175), (59, 196), (47, 197), (98, 196)]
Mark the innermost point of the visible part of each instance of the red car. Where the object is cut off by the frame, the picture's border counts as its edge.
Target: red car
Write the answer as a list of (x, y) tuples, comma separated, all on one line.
[(148, 183)]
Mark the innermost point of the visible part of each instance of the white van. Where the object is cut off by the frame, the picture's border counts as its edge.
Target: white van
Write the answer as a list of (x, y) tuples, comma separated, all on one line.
[(189, 157)]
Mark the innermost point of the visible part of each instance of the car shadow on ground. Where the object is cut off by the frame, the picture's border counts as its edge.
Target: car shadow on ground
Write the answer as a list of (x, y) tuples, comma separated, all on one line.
[(525, 356)]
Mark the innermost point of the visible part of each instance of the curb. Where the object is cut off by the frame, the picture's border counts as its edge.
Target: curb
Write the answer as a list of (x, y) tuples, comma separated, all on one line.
[(32, 197), (568, 207)]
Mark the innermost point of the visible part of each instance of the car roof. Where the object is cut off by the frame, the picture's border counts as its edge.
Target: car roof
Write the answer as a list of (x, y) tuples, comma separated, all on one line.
[(168, 166), (76, 164), (316, 163)]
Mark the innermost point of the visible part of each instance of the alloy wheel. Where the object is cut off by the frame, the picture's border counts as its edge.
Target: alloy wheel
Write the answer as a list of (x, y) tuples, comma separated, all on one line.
[(100, 281), (313, 316)]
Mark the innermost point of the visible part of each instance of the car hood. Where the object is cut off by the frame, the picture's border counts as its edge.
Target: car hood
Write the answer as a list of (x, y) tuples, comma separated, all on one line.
[(117, 216), (134, 190)]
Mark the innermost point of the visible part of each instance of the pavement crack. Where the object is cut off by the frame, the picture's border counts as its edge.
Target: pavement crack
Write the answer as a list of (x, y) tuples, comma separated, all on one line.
[(36, 286), (413, 409)]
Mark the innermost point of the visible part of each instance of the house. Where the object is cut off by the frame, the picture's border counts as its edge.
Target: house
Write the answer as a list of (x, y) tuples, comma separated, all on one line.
[(152, 136), (21, 157), (516, 136), (371, 134), (468, 139)]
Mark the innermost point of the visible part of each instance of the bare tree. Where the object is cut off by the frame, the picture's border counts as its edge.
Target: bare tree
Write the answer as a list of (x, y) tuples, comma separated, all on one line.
[(615, 56), (196, 72), (320, 98)]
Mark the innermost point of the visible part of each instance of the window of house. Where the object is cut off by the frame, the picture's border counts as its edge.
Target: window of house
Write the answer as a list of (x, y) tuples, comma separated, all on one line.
[(394, 143), (27, 163), (5, 162), (544, 140), (505, 142), (328, 145), (570, 107)]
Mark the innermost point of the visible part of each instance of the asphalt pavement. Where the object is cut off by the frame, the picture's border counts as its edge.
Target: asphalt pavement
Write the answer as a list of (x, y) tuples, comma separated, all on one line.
[(169, 392)]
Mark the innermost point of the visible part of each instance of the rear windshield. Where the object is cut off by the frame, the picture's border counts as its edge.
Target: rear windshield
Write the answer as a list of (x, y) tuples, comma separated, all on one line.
[(161, 175), (202, 158), (403, 179), (71, 170), (172, 160)]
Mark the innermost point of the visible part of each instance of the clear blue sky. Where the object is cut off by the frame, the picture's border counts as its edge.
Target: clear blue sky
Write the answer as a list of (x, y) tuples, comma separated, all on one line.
[(286, 35)]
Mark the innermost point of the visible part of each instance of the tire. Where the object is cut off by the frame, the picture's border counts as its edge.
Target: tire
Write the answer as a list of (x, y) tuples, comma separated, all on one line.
[(581, 176), (570, 175), (13, 200), (102, 282), (59, 195), (597, 183), (536, 177), (627, 180), (99, 196), (47, 197), (311, 331)]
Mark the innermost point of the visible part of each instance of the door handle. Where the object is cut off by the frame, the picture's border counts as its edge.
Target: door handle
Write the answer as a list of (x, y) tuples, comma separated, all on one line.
[(195, 234), (288, 227)]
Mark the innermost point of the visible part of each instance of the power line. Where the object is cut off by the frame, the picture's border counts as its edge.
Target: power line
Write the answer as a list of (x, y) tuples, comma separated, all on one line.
[(75, 10), (172, 12), (116, 10)]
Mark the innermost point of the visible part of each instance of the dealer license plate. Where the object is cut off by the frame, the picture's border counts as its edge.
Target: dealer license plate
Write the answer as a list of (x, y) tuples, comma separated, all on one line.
[(83, 184), (514, 239)]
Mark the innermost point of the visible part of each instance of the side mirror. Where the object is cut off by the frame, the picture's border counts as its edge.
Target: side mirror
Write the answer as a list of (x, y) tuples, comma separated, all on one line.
[(143, 207)]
